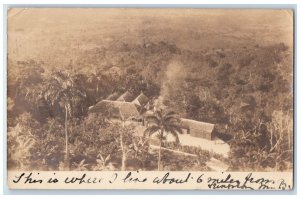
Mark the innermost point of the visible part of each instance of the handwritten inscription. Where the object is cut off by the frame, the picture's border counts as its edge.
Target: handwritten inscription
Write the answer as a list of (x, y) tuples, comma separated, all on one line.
[(247, 183), (130, 179), (83, 179), (23, 178), (224, 180), (169, 180)]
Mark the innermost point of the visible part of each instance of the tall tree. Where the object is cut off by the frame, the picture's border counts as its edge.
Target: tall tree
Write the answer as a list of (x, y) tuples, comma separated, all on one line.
[(62, 91), (164, 123), (94, 79)]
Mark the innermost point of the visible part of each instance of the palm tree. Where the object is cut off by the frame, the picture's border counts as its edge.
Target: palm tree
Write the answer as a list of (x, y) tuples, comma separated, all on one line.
[(125, 134), (163, 122), (123, 148), (94, 79), (62, 90)]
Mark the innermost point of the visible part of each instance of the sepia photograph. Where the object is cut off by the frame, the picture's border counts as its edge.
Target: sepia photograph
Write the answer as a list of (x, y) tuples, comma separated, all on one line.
[(151, 90)]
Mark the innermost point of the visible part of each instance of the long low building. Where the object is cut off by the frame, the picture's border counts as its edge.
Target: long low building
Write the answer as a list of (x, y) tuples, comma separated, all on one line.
[(198, 129)]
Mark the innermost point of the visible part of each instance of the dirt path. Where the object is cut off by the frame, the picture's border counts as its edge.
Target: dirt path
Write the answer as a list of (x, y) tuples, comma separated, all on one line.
[(214, 164), (216, 146)]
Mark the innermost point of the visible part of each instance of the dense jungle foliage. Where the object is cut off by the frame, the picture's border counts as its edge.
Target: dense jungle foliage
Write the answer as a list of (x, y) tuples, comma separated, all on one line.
[(247, 92), (228, 69)]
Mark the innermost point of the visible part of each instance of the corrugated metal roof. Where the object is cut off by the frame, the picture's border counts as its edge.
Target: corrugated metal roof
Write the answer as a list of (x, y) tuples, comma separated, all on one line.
[(193, 124)]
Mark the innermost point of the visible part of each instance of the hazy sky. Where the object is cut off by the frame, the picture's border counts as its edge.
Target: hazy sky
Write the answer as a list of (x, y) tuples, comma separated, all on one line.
[(48, 32)]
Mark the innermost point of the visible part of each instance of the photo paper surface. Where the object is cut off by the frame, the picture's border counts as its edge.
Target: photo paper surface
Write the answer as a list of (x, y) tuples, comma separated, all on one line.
[(150, 98)]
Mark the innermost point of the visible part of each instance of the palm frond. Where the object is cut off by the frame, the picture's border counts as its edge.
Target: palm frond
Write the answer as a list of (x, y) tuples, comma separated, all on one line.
[(151, 130), (174, 128), (171, 119), (175, 135), (152, 119), (159, 113)]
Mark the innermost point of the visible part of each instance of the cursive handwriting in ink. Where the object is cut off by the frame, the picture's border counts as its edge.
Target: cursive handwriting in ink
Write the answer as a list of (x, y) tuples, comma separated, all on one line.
[(283, 185), (114, 177), (83, 179), (28, 179), (249, 182), (264, 184), (225, 183), (130, 179), (166, 179)]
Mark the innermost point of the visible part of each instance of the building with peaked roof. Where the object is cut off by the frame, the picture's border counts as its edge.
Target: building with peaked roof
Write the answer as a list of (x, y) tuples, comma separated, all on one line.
[(126, 107), (197, 128), (126, 97), (116, 109), (141, 100), (123, 107), (113, 96)]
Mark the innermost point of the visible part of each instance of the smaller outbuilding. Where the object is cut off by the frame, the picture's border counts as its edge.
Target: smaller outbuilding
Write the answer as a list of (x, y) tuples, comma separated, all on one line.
[(198, 129)]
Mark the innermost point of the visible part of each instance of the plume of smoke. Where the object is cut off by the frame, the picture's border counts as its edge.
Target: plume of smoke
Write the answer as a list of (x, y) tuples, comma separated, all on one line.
[(175, 75)]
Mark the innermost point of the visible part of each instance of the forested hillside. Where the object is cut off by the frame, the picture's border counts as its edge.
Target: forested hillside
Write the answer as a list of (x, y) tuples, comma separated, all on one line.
[(243, 84)]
